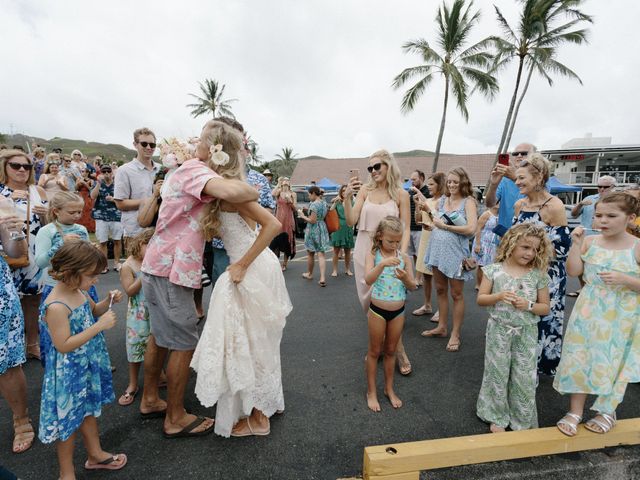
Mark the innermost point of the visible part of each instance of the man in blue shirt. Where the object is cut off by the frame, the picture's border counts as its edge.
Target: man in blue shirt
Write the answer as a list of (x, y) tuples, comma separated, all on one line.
[(586, 208), (502, 187)]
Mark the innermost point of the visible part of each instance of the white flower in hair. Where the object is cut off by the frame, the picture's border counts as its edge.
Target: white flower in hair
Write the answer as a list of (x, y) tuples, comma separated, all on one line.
[(218, 157)]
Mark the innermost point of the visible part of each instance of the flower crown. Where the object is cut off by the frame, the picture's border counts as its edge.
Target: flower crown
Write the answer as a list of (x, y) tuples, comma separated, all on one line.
[(218, 157)]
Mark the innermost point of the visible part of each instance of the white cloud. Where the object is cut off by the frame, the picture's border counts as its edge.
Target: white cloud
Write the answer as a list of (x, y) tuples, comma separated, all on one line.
[(311, 75)]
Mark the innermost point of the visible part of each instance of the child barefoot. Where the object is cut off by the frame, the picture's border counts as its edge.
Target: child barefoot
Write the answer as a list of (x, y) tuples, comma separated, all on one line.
[(601, 350), (390, 273), (515, 287), (77, 376), (137, 312)]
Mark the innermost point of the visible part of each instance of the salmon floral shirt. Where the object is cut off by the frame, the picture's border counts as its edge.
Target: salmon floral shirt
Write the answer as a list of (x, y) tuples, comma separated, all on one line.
[(176, 249)]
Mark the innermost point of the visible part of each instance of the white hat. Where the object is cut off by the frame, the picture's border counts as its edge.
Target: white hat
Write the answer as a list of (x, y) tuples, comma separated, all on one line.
[(267, 172)]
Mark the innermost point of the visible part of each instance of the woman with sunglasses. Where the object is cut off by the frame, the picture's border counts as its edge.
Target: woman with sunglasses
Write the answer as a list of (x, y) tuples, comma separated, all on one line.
[(380, 197), (51, 180), (17, 179), (540, 207)]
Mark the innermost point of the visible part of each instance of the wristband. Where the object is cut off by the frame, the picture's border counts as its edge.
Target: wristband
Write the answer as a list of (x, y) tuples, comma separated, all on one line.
[(530, 306)]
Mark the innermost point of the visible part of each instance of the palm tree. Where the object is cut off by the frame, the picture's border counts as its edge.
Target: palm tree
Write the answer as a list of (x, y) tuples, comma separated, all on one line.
[(535, 43), (211, 101), (285, 162), (253, 148), (460, 66)]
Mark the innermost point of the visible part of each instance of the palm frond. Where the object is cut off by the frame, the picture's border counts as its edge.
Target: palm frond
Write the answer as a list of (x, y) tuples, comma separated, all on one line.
[(410, 73), (504, 25), (482, 81), (412, 95), (459, 90), (422, 48)]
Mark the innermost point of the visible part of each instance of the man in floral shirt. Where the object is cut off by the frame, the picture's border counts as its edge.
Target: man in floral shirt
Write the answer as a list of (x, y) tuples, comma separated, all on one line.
[(107, 215), (172, 270)]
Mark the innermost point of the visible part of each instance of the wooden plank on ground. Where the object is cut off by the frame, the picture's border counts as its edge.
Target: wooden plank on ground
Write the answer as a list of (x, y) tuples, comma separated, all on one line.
[(408, 459)]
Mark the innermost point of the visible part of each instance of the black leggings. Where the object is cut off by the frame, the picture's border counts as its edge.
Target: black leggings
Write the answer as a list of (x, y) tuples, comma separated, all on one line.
[(388, 315)]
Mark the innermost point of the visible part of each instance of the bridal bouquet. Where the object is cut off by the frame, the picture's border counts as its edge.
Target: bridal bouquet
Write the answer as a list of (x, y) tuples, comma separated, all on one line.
[(174, 152)]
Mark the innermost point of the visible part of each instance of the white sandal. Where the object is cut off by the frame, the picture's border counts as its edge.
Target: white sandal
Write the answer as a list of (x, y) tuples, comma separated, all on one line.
[(604, 425), (572, 427)]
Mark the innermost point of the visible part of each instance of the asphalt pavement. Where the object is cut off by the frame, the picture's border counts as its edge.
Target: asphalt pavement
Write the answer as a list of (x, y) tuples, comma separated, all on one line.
[(326, 424)]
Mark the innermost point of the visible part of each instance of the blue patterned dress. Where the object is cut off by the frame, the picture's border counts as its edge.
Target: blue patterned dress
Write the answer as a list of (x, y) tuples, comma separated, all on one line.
[(11, 322), (550, 326), (75, 384), (316, 235), (447, 250), (488, 243), (27, 279)]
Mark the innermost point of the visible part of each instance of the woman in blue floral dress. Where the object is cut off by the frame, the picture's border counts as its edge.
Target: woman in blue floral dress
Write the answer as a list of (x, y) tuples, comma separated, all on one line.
[(13, 383), (77, 376), (316, 235), (17, 181), (544, 209)]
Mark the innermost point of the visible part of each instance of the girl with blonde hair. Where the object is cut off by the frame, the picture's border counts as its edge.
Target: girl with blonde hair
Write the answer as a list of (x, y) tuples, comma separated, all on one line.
[(380, 197)]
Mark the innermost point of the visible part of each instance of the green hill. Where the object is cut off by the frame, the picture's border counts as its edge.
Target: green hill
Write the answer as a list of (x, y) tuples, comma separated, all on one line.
[(108, 151)]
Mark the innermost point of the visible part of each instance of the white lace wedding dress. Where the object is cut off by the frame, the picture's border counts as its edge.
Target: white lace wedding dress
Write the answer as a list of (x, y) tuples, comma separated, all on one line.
[(238, 355)]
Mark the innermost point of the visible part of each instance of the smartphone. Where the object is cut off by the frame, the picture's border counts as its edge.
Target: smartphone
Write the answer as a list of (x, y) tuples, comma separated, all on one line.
[(354, 172), (503, 159)]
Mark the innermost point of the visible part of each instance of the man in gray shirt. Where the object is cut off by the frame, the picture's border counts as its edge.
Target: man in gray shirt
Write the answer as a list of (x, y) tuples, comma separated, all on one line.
[(134, 182)]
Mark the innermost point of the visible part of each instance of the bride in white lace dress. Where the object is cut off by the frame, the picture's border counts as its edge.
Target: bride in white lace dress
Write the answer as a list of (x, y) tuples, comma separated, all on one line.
[(238, 355)]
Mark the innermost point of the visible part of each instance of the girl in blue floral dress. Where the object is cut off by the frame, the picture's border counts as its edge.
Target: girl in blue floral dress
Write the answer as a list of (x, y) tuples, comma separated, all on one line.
[(316, 235), (77, 377)]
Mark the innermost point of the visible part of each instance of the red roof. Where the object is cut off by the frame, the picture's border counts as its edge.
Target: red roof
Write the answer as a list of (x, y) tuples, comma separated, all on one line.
[(478, 166)]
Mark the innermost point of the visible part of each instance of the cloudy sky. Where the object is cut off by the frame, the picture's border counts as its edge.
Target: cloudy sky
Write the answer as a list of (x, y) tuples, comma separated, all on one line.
[(314, 75)]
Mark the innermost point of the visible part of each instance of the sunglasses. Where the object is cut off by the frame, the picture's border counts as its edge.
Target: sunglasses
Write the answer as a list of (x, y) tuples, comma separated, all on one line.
[(17, 166), (375, 166), (148, 144), (519, 154), (54, 163), (604, 187), (526, 162), (105, 170)]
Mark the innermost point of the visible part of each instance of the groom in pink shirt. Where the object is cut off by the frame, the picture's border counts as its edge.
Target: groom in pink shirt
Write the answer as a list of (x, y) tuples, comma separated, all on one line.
[(172, 269)]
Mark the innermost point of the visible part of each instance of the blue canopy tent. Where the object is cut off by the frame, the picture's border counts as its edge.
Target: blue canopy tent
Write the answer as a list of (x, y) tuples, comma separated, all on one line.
[(555, 186), (328, 185)]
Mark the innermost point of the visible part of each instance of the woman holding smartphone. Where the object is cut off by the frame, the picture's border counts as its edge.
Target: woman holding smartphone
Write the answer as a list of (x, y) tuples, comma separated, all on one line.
[(454, 222), (436, 183), (380, 197)]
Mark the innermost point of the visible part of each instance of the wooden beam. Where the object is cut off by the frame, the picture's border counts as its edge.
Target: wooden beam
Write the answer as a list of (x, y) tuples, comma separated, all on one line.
[(404, 461)]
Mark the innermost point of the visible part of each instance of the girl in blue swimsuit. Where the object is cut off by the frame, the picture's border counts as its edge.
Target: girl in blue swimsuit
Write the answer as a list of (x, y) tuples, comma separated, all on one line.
[(390, 274)]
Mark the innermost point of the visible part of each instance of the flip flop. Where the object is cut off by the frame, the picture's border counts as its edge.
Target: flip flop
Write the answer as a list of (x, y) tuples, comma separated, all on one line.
[(251, 431), (404, 367), (322, 284), (306, 276), (127, 397), (422, 311), (432, 334), (188, 430), (453, 346), (114, 462)]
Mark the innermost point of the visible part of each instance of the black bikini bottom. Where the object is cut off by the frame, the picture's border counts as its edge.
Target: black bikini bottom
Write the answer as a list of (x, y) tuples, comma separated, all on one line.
[(388, 315)]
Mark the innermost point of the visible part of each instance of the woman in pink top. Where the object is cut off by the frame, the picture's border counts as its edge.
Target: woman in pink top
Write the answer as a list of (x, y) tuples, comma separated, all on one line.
[(382, 196)]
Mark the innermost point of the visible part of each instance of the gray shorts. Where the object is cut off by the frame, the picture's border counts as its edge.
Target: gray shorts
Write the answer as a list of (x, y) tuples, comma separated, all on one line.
[(414, 243), (172, 313)]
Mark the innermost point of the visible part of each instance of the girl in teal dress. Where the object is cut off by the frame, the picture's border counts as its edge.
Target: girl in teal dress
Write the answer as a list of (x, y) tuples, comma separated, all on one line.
[(138, 328), (77, 377), (601, 349), (342, 239), (316, 235)]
